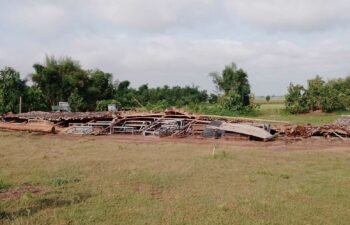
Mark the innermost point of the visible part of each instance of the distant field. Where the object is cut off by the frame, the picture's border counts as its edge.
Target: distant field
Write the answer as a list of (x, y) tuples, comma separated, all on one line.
[(273, 100), (274, 110), (98, 180), (314, 119)]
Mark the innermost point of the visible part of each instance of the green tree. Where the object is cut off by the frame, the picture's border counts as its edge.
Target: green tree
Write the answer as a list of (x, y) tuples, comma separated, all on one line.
[(76, 102), (11, 88), (57, 79), (346, 93), (295, 100), (235, 86), (313, 93), (124, 94), (332, 96), (34, 100), (268, 98), (100, 87), (213, 98)]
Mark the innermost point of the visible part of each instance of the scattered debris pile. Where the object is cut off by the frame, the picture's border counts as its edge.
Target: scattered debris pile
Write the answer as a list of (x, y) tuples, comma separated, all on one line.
[(340, 129), (173, 123), (343, 122), (170, 123)]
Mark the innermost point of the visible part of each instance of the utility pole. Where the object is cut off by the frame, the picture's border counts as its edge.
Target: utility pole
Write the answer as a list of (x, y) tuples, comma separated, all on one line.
[(20, 104)]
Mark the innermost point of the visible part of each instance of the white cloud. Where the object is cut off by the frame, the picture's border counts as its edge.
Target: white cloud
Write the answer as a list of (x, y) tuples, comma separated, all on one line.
[(179, 61), (293, 15), (151, 15), (35, 18), (171, 41)]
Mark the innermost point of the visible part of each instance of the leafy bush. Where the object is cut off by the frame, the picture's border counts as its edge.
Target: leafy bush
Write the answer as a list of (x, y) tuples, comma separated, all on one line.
[(295, 100)]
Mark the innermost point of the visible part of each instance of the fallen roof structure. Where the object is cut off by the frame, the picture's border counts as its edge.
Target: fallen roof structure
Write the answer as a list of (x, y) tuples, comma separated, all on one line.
[(170, 123), (242, 128)]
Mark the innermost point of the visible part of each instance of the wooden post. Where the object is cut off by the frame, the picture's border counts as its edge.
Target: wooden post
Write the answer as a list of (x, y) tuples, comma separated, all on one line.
[(20, 104)]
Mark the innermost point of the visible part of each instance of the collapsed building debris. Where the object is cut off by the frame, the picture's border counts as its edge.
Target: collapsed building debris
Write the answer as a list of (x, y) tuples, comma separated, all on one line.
[(170, 123), (174, 123), (340, 129), (343, 122)]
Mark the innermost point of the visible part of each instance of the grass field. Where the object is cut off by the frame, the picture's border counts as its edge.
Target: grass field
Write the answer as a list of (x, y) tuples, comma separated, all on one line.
[(274, 110), (104, 181)]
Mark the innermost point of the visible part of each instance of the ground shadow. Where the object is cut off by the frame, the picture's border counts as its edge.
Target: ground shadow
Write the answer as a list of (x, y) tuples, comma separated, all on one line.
[(43, 204)]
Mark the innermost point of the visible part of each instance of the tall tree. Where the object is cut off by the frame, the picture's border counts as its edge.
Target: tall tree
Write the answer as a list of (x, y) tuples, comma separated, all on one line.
[(313, 93), (235, 86), (57, 79), (11, 88), (100, 87)]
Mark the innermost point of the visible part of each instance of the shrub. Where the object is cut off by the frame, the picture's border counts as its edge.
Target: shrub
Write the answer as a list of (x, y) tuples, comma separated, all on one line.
[(296, 100)]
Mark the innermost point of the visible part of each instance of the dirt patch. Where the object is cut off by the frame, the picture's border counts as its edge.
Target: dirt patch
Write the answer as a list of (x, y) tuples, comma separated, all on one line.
[(16, 193)]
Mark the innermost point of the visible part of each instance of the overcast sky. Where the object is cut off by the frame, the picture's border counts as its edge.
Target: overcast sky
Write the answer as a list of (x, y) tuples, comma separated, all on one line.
[(178, 42)]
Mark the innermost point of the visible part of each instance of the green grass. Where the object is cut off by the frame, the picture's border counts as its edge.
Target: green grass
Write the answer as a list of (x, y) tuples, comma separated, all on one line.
[(273, 110), (273, 100), (100, 181), (4, 186), (302, 119), (276, 111)]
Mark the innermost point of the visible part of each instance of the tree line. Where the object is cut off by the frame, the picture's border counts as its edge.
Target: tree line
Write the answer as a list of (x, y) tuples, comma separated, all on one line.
[(64, 79), (328, 96)]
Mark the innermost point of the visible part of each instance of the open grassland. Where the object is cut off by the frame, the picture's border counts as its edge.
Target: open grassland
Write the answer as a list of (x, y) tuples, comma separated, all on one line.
[(100, 180), (273, 100), (275, 110)]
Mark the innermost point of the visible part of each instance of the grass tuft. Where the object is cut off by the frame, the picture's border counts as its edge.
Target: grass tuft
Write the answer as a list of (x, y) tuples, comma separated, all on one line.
[(4, 186), (221, 155), (265, 173), (284, 176), (60, 182)]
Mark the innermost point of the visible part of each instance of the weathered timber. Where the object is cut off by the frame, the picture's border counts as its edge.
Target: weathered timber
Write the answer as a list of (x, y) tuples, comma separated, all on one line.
[(33, 127)]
